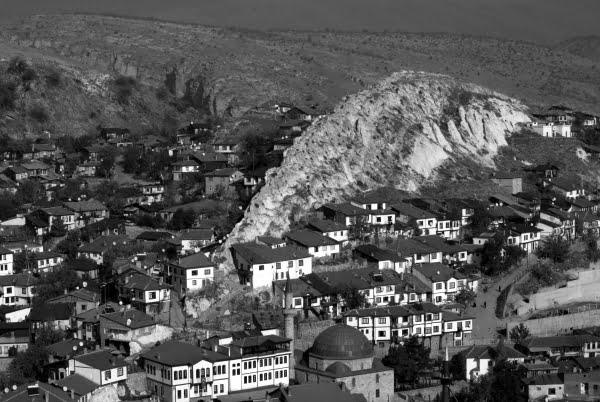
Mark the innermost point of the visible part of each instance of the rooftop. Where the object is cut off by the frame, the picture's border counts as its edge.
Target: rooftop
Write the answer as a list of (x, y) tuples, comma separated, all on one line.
[(101, 360), (79, 384), (198, 260), (131, 318), (86, 206), (308, 238), (260, 254), (437, 272), (326, 225)]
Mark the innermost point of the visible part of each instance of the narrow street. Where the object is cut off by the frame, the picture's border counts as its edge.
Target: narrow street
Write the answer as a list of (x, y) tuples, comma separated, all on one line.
[(486, 322)]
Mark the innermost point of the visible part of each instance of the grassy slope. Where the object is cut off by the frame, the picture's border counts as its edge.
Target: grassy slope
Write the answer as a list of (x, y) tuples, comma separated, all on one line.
[(245, 68)]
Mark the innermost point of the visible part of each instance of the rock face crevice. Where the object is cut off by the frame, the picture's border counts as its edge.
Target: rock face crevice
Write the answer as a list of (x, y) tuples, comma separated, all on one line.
[(394, 134)]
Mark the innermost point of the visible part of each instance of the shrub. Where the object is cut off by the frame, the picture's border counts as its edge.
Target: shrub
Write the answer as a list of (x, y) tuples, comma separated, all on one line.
[(17, 65), (39, 113), (54, 78), (124, 87), (28, 75), (7, 95)]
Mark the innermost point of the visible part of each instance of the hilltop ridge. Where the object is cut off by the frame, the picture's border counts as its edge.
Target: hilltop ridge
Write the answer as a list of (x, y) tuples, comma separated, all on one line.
[(396, 134)]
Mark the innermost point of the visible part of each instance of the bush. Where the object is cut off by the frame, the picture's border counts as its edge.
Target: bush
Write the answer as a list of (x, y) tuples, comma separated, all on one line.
[(7, 95), (39, 113), (54, 78), (124, 87), (17, 65), (28, 75)]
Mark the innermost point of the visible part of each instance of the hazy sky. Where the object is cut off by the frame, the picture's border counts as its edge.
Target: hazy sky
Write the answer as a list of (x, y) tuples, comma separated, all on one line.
[(536, 20)]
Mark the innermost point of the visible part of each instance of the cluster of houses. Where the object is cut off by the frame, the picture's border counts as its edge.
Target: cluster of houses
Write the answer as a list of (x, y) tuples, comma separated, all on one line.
[(561, 121), (565, 367)]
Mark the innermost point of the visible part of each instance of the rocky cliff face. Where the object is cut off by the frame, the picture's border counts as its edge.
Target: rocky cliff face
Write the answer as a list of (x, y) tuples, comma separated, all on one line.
[(394, 134)]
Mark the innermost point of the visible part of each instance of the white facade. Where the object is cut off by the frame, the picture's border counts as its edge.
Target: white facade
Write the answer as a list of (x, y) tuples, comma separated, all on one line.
[(6, 262), (100, 377), (187, 280), (263, 275)]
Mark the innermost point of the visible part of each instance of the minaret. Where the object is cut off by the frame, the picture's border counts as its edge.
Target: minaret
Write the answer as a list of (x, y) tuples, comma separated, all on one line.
[(288, 322), (445, 379)]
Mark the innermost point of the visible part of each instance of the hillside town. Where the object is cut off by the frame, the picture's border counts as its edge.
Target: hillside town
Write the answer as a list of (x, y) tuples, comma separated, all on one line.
[(116, 285)]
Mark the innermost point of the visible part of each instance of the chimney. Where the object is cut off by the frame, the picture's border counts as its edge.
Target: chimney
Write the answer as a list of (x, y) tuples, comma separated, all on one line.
[(47, 396), (72, 394)]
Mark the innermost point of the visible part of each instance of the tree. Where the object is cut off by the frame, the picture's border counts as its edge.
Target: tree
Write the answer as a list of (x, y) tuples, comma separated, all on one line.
[(513, 255), (107, 162), (491, 256), (466, 297), (8, 209), (480, 220), (408, 360), (555, 248), (520, 332), (58, 228), (69, 245), (506, 383), (54, 283), (353, 298), (130, 160), (183, 219)]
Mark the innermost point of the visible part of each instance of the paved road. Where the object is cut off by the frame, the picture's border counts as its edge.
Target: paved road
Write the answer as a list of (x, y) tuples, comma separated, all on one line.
[(486, 322)]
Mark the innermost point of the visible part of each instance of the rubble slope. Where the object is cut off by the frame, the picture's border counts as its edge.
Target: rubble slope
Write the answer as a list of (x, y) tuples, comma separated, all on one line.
[(395, 133)]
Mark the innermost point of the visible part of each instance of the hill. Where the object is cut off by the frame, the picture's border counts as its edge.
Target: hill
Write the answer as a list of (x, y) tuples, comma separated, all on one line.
[(396, 134), (532, 20), (225, 72)]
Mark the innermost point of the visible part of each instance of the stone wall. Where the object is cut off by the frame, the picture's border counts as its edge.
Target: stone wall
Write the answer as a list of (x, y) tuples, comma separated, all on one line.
[(584, 288), (561, 324), (430, 393)]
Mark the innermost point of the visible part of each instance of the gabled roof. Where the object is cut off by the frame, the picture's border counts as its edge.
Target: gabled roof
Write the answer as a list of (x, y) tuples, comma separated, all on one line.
[(57, 211), (347, 209), (197, 234), (154, 235), (131, 318), (22, 280), (378, 254), (260, 254), (79, 384), (403, 208), (4, 250), (205, 157), (142, 282), (326, 225), (226, 172), (51, 312), (308, 238), (103, 244), (65, 348), (506, 175), (175, 353), (564, 183), (198, 260), (86, 206), (490, 352), (545, 379), (83, 294), (437, 272), (22, 393), (101, 360), (558, 341), (407, 247), (254, 341), (44, 255)]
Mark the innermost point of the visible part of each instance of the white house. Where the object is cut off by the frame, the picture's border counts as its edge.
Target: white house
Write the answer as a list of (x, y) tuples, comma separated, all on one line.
[(314, 243), (425, 221), (100, 367), (191, 273), (6, 261), (17, 290), (327, 227), (178, 371), (480, 360), (525, 236), (445, 282), (260, 265), (47, 261)]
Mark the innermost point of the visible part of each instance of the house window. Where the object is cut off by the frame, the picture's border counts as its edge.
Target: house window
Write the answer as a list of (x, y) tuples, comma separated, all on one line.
[(153, 295), (381, 334), (418, 331), (300, 263), (376, 393), (438, 286), (449, 325), (194, 282), (467, 324), (207, 271), (417, 318), (195, 272), (261, 267), (278, 265), (436, 317), (8, 290), (551, 391), (364, 321), (297, 302), (452, 285), (107, 375), (290, 264), (120, 371), (436, 328), (428, 330), (382, 320)]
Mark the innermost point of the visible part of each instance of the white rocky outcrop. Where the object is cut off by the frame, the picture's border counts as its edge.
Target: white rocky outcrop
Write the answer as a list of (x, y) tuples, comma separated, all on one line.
[(396, 134)]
